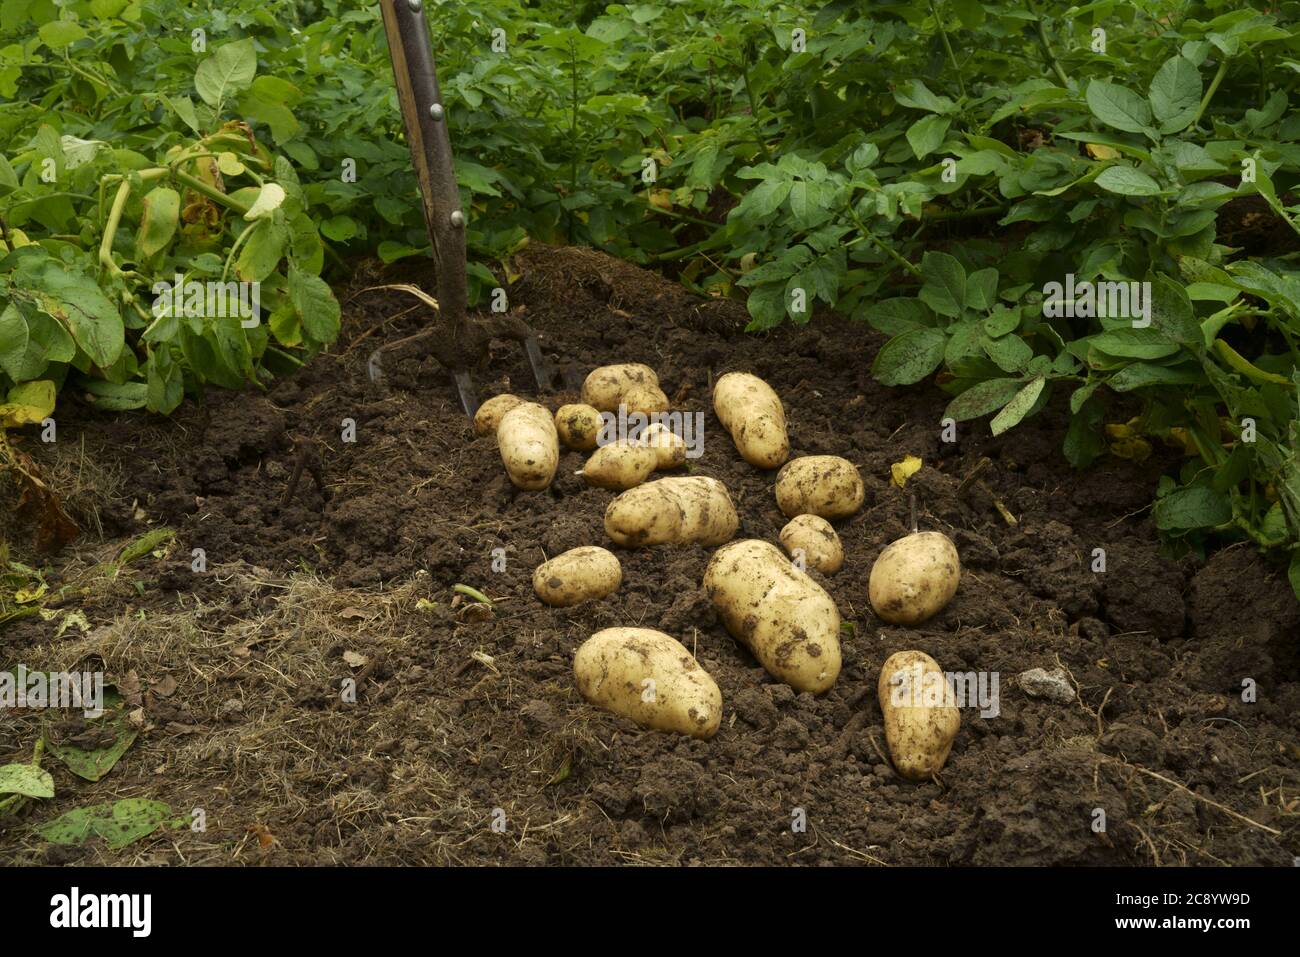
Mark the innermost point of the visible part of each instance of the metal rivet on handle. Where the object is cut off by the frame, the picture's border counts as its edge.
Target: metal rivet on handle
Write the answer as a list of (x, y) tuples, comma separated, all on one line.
[(436, 112), (457, 219), (414, 5)]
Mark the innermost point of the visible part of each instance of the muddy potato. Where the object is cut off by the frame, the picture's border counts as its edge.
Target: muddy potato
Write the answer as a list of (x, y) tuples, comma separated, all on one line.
[(610, 386), (751, 411), (577, 575), (814, 539), (672, 510), (648, 400), (669, 447), (781, 615), (489, 414), (914, 578), (578, 426), (823, 485), (619, 466), (529, 446), (649, 677), (921, 716)]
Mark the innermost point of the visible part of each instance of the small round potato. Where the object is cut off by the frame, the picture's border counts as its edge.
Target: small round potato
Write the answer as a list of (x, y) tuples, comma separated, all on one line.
[(920, 711), (578, 426), (812, 537), (578, 575), (529, 446), (781, 615), (751, 411), (824, 485), (608, 387), (670, 448), (673, 510), (619, 466), (489, 414), (914, 578), (649, 677)]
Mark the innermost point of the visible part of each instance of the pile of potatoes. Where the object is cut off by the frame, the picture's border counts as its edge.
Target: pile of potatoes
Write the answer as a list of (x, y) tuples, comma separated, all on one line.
[(762, 593)]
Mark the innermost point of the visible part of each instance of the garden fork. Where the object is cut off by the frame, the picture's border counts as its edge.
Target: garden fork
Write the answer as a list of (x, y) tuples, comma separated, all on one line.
[(463, 343)]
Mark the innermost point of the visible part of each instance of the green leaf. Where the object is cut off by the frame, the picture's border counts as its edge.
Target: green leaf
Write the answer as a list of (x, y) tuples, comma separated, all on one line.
[(26, 779), (162, 208), (1175, 94), (1118, 106), (119, 823), (262, 251), (915, 94), (58, 34), (1193, 507), (944, 290), (75, 300), (1127, 181), (117, 397), (982, 289), (927, 134), (315, 305), (983, 398), (910, 357), (1018, 407), (228, 72), (895, 316)]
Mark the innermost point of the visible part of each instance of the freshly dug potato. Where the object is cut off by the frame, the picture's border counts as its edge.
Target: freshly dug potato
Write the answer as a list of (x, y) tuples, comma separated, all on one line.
[(578, 575), (781, 615), (914, 578), (578, 426), (670, 448), (630, 383), (673, 510), (489, 414), (751, 411), (921, 716), (649, 677), (529, 445), (619, 466), (824, 485), (815, 538)]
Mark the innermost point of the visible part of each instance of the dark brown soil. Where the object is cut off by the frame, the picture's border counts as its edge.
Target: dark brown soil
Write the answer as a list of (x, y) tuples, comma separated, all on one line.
[(1159, 739)]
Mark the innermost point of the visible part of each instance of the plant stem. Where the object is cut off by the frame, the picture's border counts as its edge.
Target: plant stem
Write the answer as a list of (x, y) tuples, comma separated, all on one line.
[(947, 46), (1214, 86), (1046, 44)]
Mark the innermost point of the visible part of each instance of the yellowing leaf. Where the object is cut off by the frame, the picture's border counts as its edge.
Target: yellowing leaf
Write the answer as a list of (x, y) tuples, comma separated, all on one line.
[(25, 596), (268, 200), (28, 404), (1099, 151), (661, 198), (904, 470), (229, 164)]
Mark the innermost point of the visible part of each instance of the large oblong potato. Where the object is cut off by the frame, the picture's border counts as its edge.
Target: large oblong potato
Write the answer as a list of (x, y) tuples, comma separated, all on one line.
[(489, 414), (670, 448), (530, 447), (781, 615), (619, 466), (751, 411), (578, 575), (649, 677), (812, 537), (920, 711), (632, 384), (914, 578), (579, 426), (824, 485), (673, 511)]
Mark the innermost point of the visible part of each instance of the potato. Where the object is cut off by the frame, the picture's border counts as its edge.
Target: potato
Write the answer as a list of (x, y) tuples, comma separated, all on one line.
[(578, 426), (781, 615), (578, 575), (921, 716), (649, 677), (816, 541), (619, 466), (489, 414), (823, 485), (914, 578), (670, 448), (630, 383), (673, 510), (529, 445), (751, 411)]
